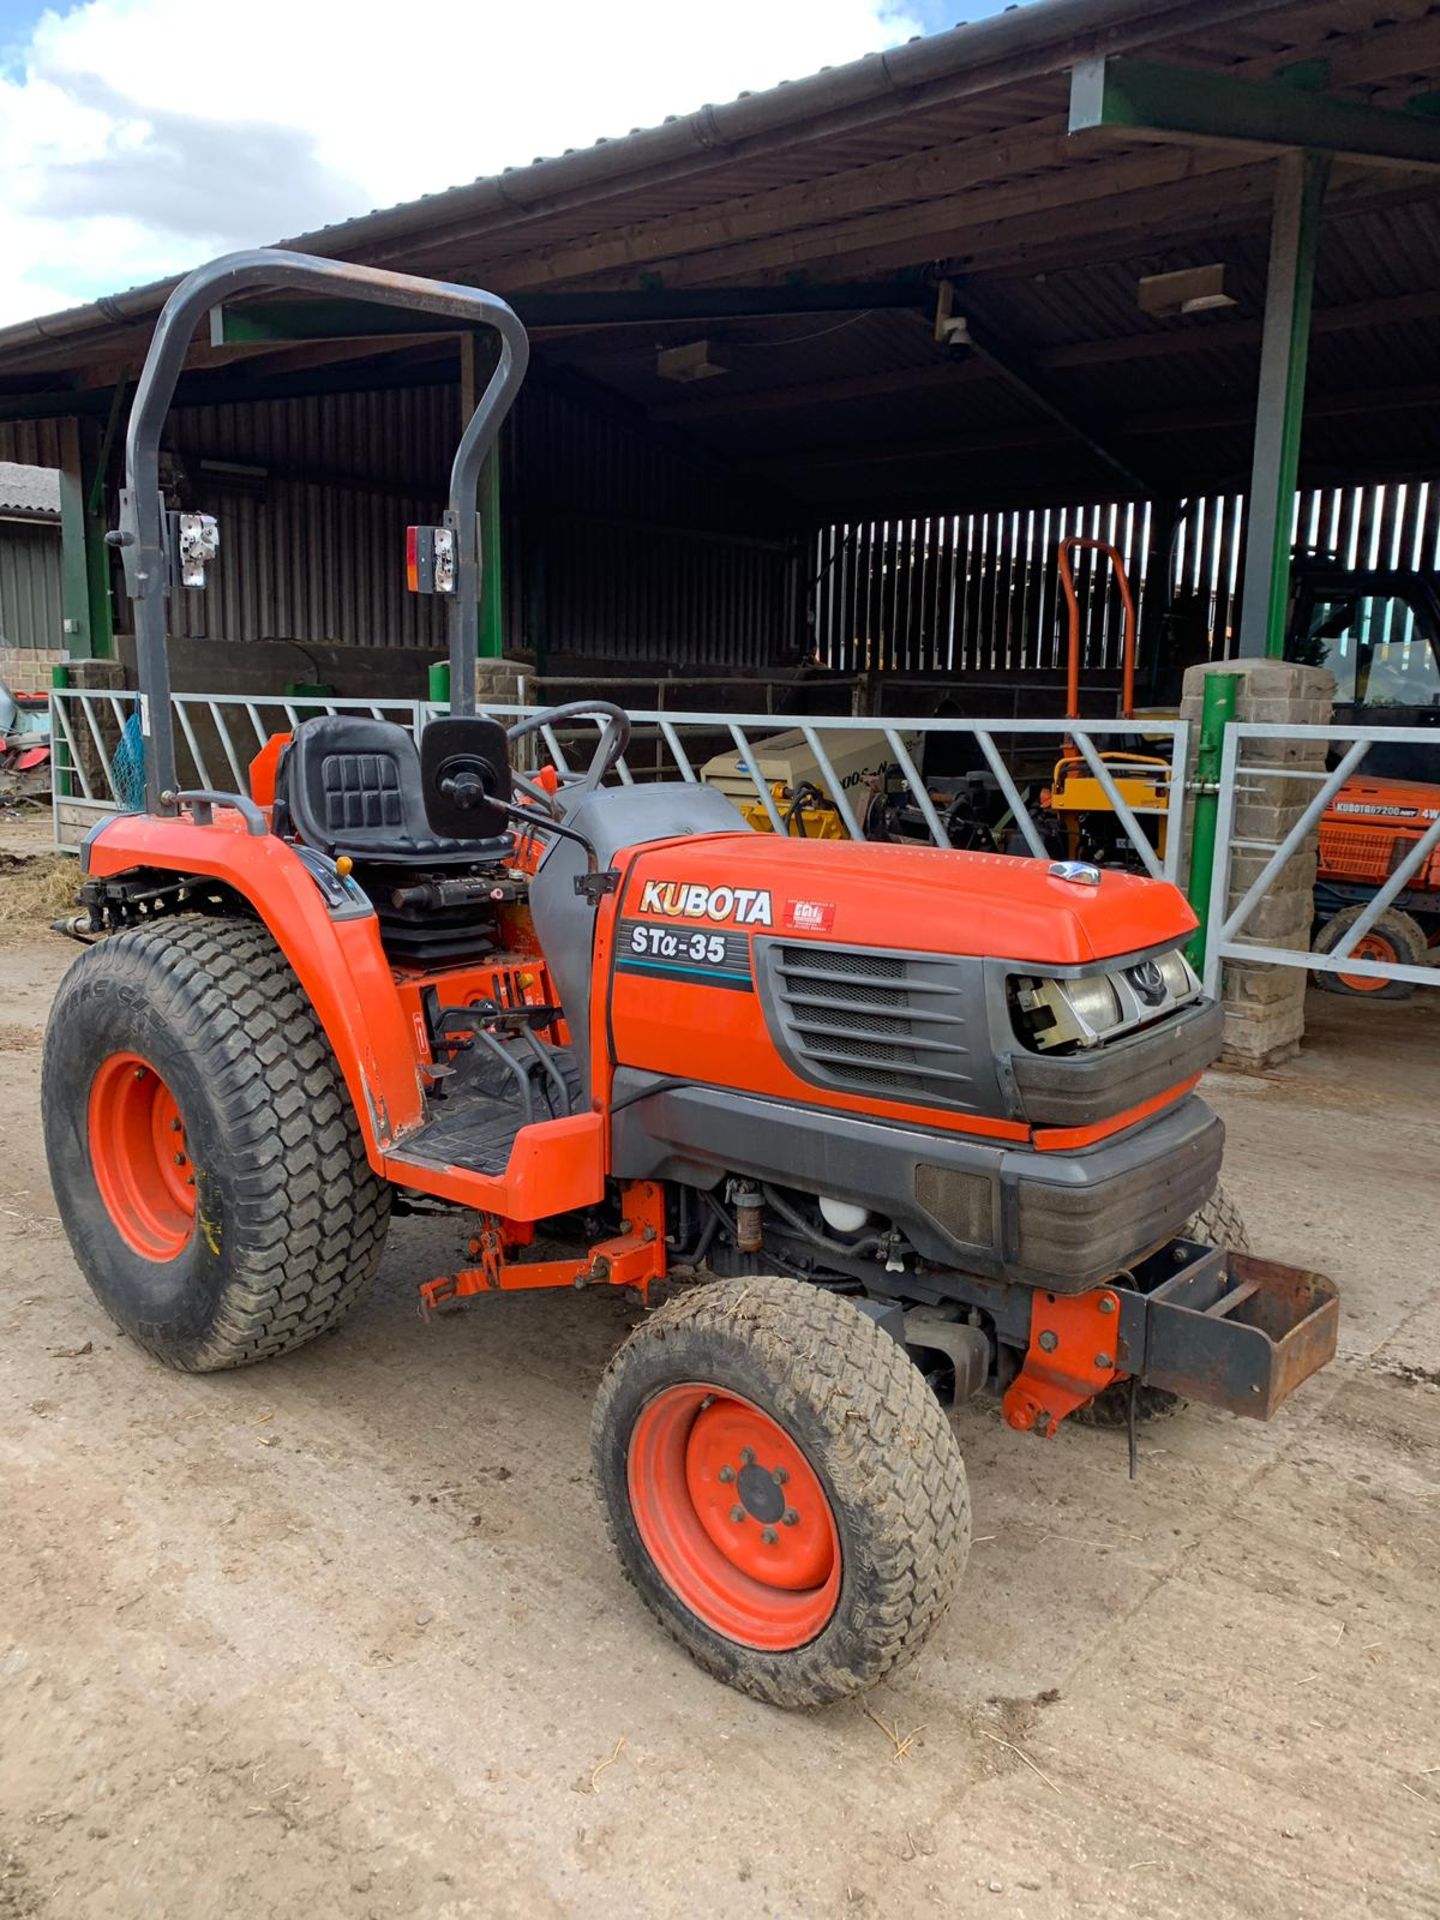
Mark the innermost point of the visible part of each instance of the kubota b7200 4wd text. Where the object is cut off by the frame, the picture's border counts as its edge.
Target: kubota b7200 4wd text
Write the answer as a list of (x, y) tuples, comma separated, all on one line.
[(913, 1124)]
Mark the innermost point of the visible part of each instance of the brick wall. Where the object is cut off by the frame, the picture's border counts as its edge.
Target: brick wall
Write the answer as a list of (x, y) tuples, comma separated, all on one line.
[(27, 669)]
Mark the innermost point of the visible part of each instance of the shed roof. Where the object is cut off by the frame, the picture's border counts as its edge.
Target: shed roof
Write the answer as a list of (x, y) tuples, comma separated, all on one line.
[(946, 159), (31, 492)]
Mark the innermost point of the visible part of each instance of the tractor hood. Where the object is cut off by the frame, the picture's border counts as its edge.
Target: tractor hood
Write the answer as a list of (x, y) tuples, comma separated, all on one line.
[(923, 899), (1406, 803)]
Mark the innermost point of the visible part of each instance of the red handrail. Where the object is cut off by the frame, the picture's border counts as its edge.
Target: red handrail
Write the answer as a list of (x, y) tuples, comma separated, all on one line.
[(1067, 581)]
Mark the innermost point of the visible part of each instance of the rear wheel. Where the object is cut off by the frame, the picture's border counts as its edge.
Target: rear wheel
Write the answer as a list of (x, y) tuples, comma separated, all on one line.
[(1395, 939), (203, 1147), (782, 1487)]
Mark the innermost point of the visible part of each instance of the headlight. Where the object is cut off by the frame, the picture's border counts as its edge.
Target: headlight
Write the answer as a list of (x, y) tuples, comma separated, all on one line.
[(1054, 1013), (1067, 1013), (1181, 980), (1093, 1000)]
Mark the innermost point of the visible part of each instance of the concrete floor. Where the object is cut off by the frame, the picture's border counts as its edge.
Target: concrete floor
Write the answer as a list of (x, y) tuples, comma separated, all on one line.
[(340, 1635)]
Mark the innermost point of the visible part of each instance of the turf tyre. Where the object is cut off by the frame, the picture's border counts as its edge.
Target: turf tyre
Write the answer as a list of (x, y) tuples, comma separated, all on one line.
[(1395, 938), (845, 1393), (289, 1220)]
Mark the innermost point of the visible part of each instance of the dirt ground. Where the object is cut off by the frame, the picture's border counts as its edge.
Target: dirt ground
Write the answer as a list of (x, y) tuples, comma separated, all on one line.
[(340, 1635)]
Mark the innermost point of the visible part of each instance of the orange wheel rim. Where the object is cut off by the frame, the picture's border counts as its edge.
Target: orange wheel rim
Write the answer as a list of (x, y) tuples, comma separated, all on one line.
[(1373, 947), (140, 1157), (734, 1517)]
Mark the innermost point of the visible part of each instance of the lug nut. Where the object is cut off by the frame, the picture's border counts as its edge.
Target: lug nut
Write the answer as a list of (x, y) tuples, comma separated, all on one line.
[(179, 1159), (1049, 1341), (780, 1476), (139, 1073), (747, 1456), (770, 1536), (727, 1474), (737, 1512), (790, 1517), (175, 1125)]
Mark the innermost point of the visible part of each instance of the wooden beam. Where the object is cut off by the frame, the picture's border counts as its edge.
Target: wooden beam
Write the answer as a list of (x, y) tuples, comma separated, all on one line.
[(1132, 227), (824, 393), (1225, 336), (859, 454), (1086, 216), (1170, 423), (939, 226), (1320, 406), (763, 217)]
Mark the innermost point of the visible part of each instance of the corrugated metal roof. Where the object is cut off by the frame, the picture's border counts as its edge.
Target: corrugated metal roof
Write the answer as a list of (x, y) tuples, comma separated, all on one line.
[(31, 491), (947, 158)]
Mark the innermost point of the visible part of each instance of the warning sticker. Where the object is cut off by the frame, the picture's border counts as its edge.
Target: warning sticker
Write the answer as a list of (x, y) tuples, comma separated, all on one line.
[(809, 916)]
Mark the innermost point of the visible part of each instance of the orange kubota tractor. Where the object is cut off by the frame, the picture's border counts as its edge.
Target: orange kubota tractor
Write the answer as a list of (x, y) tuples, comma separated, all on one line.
[(913, 1123)]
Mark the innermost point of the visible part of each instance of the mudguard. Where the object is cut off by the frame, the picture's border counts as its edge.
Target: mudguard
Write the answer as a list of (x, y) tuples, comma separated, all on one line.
[(336, 954)]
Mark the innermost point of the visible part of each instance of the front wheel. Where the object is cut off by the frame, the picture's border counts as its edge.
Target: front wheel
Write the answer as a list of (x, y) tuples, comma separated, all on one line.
[(782, 1487), (1396, 939)]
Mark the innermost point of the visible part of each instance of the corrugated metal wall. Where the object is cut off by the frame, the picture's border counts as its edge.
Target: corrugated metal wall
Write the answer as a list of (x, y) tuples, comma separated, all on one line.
[(979, 593), (618, 545), (970, 593), (630, 550), (30, 614), (313, 496)]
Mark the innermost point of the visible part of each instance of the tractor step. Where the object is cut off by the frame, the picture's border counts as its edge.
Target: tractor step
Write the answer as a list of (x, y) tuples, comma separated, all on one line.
[(475, 1124)]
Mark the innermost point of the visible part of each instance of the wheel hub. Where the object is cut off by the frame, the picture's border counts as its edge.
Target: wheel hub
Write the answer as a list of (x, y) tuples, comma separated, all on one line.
[(734, 1517), (760, 1494), (140, 1157)]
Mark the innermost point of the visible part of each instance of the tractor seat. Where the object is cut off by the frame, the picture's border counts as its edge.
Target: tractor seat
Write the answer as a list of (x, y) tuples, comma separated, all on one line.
[(352, 786)]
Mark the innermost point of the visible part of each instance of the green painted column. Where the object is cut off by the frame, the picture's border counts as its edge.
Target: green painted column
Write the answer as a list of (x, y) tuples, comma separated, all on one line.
[(1217, 710), (492, 634), (1280, 408), (477, 359), (84, 558)]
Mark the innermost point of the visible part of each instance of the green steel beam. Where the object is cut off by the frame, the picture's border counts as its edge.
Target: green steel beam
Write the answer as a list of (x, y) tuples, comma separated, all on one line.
[(477, 359), (1142, 99), (1280, 405), (270, 322), (85, 604)]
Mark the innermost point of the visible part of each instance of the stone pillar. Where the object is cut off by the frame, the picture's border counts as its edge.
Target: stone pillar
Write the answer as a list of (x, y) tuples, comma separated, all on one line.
[(1265, 1006)]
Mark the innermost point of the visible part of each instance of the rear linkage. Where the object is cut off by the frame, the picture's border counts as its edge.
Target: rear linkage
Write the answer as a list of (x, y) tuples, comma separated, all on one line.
[(634, 1257)]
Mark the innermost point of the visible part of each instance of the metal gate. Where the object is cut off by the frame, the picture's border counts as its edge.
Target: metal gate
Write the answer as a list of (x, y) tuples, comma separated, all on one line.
[(1240, 776), (219, 734)]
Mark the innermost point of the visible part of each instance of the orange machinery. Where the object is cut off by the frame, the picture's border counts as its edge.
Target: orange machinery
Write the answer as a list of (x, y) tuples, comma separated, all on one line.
[(900, 1122)]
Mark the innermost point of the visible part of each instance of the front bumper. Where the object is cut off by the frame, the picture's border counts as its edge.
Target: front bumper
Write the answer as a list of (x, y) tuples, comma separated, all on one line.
[(1058, 1221)]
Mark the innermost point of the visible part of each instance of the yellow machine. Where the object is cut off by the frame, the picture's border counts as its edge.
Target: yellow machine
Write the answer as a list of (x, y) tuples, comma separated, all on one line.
[(799, 784)]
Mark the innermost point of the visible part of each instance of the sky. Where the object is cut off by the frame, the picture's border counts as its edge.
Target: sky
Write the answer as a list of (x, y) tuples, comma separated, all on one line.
[(138, 137)]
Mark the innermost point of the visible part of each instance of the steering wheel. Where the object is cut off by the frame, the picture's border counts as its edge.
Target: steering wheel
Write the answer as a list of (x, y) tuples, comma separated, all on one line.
[(614, 738)]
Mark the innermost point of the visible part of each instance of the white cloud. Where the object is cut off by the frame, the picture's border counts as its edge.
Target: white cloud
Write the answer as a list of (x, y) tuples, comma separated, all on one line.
[(138, 136)]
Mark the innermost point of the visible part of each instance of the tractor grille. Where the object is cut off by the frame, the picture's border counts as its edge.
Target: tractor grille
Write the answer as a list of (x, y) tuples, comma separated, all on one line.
[(888, 1024), (1359, 853)]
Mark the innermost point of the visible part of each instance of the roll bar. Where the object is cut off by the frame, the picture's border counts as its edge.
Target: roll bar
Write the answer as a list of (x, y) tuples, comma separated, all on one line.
[(142, 535)]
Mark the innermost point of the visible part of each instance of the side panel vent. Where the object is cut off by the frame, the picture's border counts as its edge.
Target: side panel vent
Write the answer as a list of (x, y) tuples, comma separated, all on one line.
[(898, 1026)]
